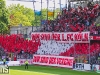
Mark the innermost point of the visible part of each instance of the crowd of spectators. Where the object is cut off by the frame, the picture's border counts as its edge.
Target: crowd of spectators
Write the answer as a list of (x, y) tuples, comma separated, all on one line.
[(16, 43), (92, 50), (72, 20), (2, 53), (53, 47), (75, 19)]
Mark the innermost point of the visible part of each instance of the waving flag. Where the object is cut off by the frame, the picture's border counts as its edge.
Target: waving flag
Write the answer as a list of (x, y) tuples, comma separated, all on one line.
[(50, 13), (38, 13)]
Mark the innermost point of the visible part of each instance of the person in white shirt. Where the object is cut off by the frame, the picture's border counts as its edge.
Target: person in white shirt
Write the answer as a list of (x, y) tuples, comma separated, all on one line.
[(9, 58)]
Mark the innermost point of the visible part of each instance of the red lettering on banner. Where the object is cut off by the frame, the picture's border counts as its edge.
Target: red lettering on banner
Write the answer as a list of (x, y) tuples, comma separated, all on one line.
[(79, 37), (59, 61), (53, 36), (42, 37), (33, 37), (75, 37), (44, 60), (71, 62), (56, 37), (63, 37), (21, 61), (52, 60), (69, 37), (36, 59), (86, 36), (47, 36), (37, 36), (64, 61), (68, 62)]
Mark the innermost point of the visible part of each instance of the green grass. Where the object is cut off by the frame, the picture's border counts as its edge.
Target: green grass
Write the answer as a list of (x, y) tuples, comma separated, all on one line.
[(45, 70)]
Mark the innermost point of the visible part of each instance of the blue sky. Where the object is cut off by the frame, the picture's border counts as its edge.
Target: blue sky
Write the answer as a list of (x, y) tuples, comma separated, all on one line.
[(38, 4)]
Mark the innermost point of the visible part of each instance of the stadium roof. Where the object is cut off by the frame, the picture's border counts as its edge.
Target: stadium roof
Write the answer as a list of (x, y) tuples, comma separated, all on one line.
[(35, 0), (78, 0), (22, 0)]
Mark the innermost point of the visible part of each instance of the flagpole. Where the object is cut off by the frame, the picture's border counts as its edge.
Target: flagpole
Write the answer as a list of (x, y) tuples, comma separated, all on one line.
[(60, 4), (47, 14), (35, 16), (74, 48), (41, 13), (66, 3), (89, 51), (47, 8), (54, 9), (69, 6)]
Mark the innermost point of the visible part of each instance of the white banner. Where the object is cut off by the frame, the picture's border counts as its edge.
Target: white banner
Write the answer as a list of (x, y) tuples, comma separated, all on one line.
[(97, 67), (82, 66), (22, 61), (13, 63), (60, 61), (77, 37)]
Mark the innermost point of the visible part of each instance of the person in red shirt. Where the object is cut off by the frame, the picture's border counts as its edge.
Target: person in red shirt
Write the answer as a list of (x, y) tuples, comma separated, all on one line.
[(74, 63), (15, 59)]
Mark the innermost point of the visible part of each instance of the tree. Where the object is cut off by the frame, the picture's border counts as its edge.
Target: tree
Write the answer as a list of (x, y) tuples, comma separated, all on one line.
[(4, 20), (19, 14)]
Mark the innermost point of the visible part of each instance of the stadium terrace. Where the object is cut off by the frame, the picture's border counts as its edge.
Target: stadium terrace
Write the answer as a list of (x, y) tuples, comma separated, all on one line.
[(71, 41)]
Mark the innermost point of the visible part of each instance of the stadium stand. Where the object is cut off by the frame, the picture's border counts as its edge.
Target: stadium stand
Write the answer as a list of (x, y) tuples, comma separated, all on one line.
[(73, 20), (16, 43)]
